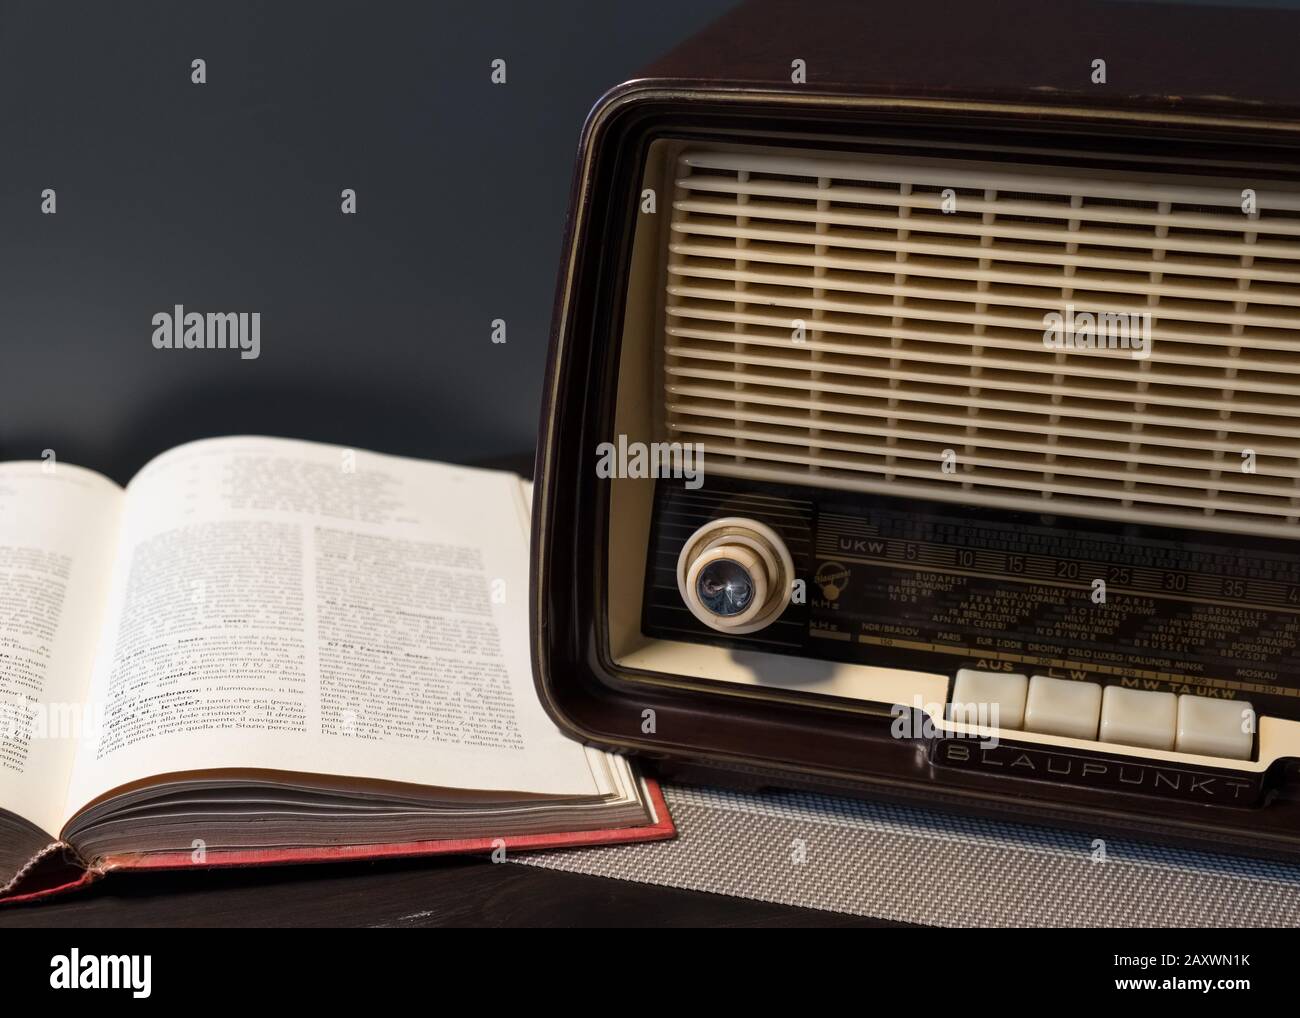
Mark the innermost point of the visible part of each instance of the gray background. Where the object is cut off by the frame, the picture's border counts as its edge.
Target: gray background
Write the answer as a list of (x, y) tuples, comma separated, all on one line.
[(225, 197)]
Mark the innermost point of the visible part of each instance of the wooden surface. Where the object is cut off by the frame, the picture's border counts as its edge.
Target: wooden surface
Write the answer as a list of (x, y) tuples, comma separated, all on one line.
[(442, 892)]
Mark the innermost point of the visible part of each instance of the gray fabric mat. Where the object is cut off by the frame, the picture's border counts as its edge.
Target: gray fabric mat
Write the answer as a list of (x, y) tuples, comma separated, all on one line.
[(912, 865)]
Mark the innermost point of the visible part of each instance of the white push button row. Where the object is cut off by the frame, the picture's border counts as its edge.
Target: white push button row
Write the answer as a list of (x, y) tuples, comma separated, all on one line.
[(1200, 725)]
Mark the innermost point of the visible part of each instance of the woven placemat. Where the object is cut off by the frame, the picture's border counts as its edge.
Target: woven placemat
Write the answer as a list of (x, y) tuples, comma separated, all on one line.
[(913, 865)]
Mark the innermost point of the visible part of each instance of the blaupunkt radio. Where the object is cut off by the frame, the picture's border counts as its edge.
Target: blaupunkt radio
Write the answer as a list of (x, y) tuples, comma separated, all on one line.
[(921, 418)]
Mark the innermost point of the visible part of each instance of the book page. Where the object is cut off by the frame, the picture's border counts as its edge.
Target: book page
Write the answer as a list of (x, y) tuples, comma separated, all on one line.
[(58, 534), (303, 607)]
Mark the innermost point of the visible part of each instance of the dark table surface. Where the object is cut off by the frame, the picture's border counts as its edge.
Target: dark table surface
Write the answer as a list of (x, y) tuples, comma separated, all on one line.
[(431, 892)]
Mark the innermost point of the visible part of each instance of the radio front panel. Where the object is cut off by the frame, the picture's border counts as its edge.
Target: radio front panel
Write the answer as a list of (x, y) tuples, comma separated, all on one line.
[(933, 450), (1066, 550)]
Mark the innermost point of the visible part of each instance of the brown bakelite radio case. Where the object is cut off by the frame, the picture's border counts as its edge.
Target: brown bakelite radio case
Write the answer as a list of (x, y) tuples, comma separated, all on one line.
[(985, 321)]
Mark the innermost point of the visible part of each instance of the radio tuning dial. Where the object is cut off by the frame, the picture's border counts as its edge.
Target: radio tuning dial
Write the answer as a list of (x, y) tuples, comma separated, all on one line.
[(735, 574)]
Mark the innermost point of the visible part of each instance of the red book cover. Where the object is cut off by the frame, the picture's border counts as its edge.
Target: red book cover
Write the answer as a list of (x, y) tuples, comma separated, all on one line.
[(57, 873)]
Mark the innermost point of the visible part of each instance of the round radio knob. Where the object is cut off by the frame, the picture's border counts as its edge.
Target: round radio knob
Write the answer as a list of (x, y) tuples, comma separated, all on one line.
[(735, 574), (731, 582)]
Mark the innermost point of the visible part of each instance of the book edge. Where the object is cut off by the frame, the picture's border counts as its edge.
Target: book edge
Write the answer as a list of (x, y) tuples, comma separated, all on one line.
[(660, 829)]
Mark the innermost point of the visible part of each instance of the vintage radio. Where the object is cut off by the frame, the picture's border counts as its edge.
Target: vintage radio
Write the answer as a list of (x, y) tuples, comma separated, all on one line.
[(985, 321)]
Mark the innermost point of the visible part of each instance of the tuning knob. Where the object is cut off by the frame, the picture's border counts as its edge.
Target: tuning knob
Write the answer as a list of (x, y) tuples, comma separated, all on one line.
[(735, 574)]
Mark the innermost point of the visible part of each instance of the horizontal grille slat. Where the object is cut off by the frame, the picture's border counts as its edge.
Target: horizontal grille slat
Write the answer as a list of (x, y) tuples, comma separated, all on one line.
[(922, 453), (752, 385), (697, 416), (963, 248), (708, 254), (799, 223), (975, 175), (1156, 430), (852, 319), (849, 320), (930, 202), (851, 337), (1020, 377), (787, 288)]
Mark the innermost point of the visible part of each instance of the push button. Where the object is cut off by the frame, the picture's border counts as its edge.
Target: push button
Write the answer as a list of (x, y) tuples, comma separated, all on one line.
[(1213, 727), (993, 699), (1139, 717), (1063, 707)]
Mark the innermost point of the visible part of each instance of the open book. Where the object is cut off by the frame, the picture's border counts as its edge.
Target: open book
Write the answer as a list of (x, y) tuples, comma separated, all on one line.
[(265, 650)]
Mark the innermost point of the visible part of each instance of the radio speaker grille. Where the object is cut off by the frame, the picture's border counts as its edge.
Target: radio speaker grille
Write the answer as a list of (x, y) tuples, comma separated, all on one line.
[(878, 323)]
